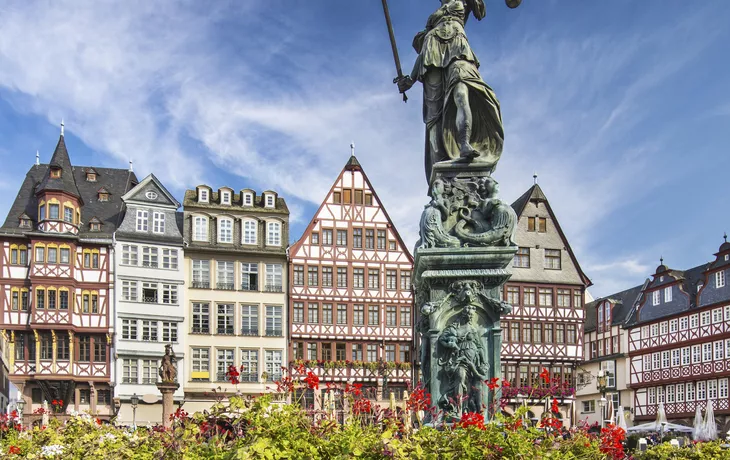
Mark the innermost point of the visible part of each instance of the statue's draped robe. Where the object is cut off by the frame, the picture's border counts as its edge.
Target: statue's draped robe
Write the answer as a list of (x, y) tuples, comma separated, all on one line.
[(446, 59)]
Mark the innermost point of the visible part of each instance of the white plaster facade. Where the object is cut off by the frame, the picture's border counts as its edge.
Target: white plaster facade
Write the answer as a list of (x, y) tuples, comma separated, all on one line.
[(149, 299)]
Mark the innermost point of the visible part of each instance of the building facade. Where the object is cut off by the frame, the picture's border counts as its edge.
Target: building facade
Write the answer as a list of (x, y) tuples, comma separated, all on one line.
[(235, 278), (149, 298), (547, 291), (350, 307), (56, 273), (679, 342)]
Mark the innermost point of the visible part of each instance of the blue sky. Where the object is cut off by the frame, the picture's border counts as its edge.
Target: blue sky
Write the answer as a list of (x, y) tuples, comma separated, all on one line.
[(621, 107)]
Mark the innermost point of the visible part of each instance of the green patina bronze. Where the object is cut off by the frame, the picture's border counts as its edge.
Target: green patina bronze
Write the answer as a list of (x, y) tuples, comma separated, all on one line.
[(466, 232)]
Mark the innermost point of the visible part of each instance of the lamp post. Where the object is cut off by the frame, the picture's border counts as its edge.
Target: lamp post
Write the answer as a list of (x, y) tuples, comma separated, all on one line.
[(21, 405), (601, 384), (134, 400)]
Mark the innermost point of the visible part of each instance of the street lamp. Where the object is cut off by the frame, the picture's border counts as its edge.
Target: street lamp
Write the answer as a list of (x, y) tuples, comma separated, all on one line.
[(135, 400), (601, 384), (21, 405), (602, 404)]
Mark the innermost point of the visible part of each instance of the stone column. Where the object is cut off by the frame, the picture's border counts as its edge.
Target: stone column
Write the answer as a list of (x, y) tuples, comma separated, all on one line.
[(168, 390)]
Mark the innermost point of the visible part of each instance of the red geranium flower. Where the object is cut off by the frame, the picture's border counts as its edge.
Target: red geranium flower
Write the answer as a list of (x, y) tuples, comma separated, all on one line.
[(545, 375), (14, 450), (233, 374), (506, 384), (312, 381), (472, 419), (554, 408)]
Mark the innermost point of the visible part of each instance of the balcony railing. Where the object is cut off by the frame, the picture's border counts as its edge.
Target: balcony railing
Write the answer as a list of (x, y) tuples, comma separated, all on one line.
[(225, 331), (149, 264), (149, 299), (273, 288), (225, 286), (250, 331), (274, 332), (249, 287), (201, 284)]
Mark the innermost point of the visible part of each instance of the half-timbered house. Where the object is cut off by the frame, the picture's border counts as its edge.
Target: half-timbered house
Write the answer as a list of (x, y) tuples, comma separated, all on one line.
[(235, 277), (679, 342), (56, 273), (546, 290), (150, 298), (350, 304)]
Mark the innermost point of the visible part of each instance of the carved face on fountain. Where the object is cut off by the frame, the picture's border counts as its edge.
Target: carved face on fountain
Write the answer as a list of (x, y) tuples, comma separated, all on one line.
[(470, 312)]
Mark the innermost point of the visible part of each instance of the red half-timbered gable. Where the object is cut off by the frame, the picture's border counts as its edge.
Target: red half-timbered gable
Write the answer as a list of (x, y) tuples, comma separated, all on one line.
[(679, 342), (546, 290), (57, 282), (350, 310)]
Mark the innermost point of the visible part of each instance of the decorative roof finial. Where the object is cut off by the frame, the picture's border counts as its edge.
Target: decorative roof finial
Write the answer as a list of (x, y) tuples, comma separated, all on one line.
[(724, 235), (37, 158), (61, 126), (131, 169), (534, 178), (661, 260), (352, 148)]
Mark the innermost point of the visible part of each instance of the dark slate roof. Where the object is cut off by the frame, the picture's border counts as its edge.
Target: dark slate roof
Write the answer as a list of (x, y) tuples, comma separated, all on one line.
[(116, 181), (65, 183), (191, 200), (352, 163), (533, 193), (623, 303)]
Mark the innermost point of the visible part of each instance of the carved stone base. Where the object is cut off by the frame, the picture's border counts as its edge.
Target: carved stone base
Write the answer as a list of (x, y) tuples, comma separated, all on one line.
[(168, 390)]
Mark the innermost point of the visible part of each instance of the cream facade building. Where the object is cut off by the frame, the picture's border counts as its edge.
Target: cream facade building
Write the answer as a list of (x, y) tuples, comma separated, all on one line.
[(235, 278)]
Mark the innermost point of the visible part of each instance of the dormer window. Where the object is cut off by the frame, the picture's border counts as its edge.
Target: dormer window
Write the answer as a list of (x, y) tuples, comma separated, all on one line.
[(103, 197), (203, 195), (269, 201), (90, 175), (248, 199), (25, 223), (668, 294), (225, 197), (655, 298), (720, 279), (727, 257), (95, 225), (55, 173)]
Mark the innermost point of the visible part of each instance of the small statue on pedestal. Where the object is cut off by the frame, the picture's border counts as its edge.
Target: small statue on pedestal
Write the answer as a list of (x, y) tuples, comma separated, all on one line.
[(168, 370)]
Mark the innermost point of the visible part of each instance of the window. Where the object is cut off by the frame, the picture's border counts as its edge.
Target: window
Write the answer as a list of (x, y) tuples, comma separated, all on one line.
[(200, 228), (250, 232), (169, 259), (336, 197), (373, 315), (273, 321), (62, 347), (201, 318), (202, 195), (341, 276), (273, 278), (130, 371), (705, 318), (158, 222), (564, 298), (84, 348), (701, 393), (340, 352), (655, 298), (347, 196), (298, 276), (515, 332), (201, 274), (341, 237), (224, 319), (405, 316), (40, 302), (696, 354), (224, 275), (298, 312), (405, 354), (654, 330), (129, 254), (357, 238), (382, 238), (522, 258), (52, 299), (68, 215), (373, 279), (546, 297), (680, 392), (683, 323), (693, 321), (129, 329), (149, 257), (665, 360), (647, 362), (249, 366), (327, 313), (369, 239), (722, 389), (685, 356), (531, 224), (358, 315), (720, 279), (142, 220), (249, 276), (372, 355), (313, 276), (560, 333), (675, 357), (149, 331), (719, 350), (341, 314), (313, 313), (225, 197), (668, 294), (716, 316), (405, 280), (571, 334), (589, 406), (248, 199), (201, 364), (65, 255), (224, 359), (53, 211), (40, 252), (169, 294), (552, 259), (312, 351), (169, 332), (673, 325), (391, 316), (273, 234), (327, 276), (512, 295), (537, 333), (358, 278), (52, 255), (690, 386), (357, 354), (663, 327), (706, 352), (149, 371), (273, 364), (24, 300), (528, 296), (225, 230), (527, 332), (149, 292), (46, 346), (327, 237), (129, 291), (269, 200)]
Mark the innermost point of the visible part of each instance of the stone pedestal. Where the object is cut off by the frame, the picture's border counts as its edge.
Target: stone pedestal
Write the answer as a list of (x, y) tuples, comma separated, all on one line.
[(461, 264), (168, 390)]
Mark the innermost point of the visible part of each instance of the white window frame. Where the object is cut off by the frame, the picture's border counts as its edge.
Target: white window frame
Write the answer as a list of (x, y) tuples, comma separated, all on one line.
[(247, 199), (655, 330), (225, 230), (722, 388), (647, 362), (249, 231), (694, 321), (717, 315), (130, 293), (668, 294), (269, 200), (169, 258), (203, 195), (273, 233), (684, 323), (169, 294), (651, 397), (676, 357), (719, 350), (130, 254), (705, 319), (663, 327), (673, 325), (200, 228), (689, 391), (225, 197), (680, 392), (656, 297), (720, 279), (701, 391), (686, 356), (158, 222), (142, 220), (696, 354), (706, 352)]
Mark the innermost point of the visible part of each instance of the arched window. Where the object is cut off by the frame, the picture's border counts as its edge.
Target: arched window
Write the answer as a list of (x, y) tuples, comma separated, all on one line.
[(200, 228)]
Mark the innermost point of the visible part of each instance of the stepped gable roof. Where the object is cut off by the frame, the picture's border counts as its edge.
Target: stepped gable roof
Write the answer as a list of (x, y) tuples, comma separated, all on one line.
[(536, 194), (116, 181), (623, 302), (66, 183)]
